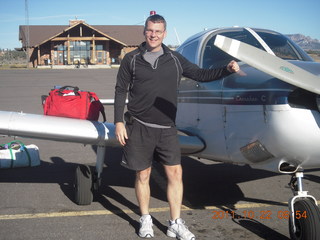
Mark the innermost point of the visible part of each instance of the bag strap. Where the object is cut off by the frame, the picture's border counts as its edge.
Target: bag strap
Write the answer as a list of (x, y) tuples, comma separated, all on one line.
[(28, 154), (103, 113), (95, 98)]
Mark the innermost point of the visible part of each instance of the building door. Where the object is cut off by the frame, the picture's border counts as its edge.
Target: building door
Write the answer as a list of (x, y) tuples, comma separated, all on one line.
[(60, 55), (101, 57)]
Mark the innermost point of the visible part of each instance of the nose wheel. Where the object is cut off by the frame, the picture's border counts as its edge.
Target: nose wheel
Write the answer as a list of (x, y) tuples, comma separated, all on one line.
[(304, 222)]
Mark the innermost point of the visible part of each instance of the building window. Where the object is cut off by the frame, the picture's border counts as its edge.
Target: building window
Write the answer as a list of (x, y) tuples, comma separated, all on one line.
[(80, 52), (99, 47)]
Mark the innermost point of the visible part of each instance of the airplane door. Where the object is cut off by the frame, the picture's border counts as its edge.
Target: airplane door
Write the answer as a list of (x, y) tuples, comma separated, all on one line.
[(210, 122), (244, 119)]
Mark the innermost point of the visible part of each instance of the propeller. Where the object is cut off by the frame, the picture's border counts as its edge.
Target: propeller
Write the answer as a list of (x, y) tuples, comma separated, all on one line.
[(269, 64)]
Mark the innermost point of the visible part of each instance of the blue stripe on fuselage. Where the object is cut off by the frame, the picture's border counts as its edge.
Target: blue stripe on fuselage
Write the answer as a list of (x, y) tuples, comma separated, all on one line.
[(236, 97)]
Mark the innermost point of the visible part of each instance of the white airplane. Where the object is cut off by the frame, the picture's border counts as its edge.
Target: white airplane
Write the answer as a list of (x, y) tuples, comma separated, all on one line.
[(267, 116)]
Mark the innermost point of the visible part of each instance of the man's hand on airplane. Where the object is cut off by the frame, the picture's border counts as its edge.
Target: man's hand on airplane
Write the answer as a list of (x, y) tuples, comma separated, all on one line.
[(121, 133), (233, 67)]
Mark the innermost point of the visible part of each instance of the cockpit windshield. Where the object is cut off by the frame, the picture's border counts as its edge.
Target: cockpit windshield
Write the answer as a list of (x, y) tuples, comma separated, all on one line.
[(280, 45)]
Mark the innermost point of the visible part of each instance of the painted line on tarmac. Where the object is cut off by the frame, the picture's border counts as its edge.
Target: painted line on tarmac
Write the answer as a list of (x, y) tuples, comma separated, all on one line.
[(127, 211)]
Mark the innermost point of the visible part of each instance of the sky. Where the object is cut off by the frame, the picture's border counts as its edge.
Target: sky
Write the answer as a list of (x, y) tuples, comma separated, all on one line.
[(184, 17)]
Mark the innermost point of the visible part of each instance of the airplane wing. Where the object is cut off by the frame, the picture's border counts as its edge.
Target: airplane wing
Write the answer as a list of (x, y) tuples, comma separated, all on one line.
[(74, 130), (56, 128), (190, 144), (269, 63)]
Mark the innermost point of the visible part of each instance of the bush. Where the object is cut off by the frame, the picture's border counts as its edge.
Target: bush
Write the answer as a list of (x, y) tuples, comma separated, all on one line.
[(12, 57)]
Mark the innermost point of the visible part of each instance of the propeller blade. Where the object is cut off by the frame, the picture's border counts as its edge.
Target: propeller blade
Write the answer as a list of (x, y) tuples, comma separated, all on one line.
[(269, 64)]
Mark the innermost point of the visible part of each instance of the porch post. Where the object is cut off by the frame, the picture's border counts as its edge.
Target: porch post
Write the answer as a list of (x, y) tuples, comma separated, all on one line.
[(93, 59), (108, 60), (52, 53), (68, 50), (39, 60)]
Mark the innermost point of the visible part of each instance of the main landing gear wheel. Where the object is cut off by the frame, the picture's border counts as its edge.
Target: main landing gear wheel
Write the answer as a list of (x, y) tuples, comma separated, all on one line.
[(83, 185), (87, 181)]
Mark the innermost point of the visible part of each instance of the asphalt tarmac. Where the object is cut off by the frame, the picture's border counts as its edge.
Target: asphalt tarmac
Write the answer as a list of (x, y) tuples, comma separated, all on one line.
[(221, 201)]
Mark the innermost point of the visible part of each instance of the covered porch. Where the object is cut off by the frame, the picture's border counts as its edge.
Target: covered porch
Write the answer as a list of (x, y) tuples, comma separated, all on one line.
[(78, 45)]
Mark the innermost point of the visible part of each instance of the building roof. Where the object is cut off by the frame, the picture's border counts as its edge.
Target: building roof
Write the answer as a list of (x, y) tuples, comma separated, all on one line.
[(129, 35), (132, 35)]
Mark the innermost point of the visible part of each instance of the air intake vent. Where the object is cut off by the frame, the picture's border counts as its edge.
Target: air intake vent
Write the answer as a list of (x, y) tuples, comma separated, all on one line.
[(255, 152)]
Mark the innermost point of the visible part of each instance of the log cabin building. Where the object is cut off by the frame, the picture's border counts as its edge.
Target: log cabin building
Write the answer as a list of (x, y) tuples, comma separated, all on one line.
[(79, 43)]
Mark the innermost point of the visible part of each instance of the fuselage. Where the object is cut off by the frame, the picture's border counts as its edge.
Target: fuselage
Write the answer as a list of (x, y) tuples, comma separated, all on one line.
[(252, 117)]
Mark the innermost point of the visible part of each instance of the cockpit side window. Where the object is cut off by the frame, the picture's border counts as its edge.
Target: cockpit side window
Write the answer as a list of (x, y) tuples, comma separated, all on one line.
[(213, 57), (190, 50)]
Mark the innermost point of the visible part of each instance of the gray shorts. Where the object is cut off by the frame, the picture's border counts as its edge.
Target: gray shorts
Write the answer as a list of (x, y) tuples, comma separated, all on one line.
[(145, 144)]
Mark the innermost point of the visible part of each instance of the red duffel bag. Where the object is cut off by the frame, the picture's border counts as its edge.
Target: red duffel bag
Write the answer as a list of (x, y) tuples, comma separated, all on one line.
[(69, 101)]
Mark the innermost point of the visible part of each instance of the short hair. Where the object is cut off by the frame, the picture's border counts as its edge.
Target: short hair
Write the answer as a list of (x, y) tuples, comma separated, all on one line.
[(156, 18)]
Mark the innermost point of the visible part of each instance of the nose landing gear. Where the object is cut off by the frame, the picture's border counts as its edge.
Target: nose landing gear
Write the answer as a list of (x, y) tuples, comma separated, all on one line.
[(304, 222)]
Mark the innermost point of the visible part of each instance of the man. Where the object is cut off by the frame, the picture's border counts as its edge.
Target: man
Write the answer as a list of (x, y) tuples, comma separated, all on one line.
[(152, 73)]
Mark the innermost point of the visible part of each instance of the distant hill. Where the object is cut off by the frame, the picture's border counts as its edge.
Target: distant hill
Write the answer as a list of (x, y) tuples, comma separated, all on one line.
[(306, 43)]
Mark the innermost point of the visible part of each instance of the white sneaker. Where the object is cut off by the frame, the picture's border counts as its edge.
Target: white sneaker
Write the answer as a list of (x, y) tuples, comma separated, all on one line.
[(146, 230), (178, 229)]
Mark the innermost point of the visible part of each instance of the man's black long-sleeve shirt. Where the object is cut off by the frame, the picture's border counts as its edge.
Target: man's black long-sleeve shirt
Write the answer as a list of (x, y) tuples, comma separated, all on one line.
[(153, 89)]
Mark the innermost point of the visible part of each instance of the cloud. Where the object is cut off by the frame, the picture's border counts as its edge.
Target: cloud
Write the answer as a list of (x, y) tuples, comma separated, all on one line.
[(19, 19), (52, 17)]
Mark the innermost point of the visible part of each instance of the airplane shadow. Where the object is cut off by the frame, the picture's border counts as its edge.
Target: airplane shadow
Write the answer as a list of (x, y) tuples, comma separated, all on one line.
[(204, 185)]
